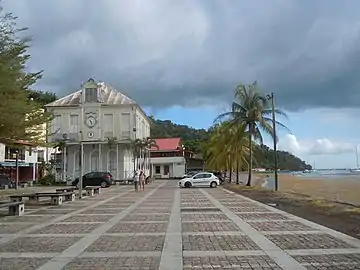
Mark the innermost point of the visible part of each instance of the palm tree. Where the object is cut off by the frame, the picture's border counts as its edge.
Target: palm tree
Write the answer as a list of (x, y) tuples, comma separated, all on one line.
[(227, 148), (252, 110), (147, 144), (136, 146)]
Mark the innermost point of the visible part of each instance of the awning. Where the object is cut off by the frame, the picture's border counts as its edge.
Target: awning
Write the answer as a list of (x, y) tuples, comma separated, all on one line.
[(13, 164)]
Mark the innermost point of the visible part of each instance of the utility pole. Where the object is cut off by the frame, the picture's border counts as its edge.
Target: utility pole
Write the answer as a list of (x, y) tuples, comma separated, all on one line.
[(17, 168), (271, 97)]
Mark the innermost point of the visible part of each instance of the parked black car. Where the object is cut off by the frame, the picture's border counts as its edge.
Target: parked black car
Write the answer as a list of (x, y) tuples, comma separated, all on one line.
[(220, 176), (5, 182), (103, 179)]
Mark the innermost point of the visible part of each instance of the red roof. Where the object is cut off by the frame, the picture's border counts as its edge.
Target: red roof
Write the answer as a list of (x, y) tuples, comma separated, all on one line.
[(167, 144)]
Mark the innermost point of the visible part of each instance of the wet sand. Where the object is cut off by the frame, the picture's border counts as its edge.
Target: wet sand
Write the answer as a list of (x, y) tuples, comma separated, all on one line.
[(345, 189)]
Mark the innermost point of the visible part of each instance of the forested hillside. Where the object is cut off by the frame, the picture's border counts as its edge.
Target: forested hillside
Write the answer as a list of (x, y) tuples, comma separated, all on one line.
[(194, 139)]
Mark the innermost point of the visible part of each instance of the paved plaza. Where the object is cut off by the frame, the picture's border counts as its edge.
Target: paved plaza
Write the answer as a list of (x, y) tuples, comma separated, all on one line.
[(167, 228)]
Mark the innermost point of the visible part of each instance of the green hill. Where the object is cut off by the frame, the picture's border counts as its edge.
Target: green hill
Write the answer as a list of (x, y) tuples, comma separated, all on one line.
[(193, 140)]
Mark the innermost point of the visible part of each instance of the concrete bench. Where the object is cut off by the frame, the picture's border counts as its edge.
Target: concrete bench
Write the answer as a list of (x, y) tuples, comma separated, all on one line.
[(15, 208), (91, 190), (66, 189), (56, 198)]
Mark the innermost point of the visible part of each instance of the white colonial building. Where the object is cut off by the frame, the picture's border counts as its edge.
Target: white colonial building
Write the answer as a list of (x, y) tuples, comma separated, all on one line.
[(99, 122)]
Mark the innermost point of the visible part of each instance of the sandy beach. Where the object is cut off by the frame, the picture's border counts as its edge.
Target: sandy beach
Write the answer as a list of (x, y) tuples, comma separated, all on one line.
[(345, 189)]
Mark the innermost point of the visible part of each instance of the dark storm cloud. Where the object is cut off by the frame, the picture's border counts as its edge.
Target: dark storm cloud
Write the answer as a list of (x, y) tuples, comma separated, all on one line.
[(164, 53)]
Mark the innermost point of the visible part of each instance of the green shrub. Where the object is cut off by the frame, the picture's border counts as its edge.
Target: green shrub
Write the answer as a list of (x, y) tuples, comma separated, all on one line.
[(47, 180)]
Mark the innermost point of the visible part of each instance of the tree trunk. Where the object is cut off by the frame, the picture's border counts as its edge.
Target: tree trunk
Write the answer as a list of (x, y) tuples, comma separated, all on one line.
[(230, 173), (237, 172), (250, 157)]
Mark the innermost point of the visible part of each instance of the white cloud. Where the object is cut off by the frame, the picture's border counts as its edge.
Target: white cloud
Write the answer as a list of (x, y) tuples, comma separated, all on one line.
[(323, 146)]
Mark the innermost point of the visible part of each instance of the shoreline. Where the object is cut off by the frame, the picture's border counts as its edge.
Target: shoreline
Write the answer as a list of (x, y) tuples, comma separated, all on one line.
[(343, 189)]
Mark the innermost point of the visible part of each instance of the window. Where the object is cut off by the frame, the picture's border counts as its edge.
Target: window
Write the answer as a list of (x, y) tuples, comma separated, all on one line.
[(108, 123), (74, 124), (200, 175), (41, 156), (56, 124), (10, 153), (91, 95), (207, 175), (157, 169)]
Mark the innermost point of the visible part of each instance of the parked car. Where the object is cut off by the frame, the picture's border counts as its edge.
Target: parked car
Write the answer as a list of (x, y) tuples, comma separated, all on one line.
[(103, 179), (202, 179), (220, 176), (5, 182), (190, 174)]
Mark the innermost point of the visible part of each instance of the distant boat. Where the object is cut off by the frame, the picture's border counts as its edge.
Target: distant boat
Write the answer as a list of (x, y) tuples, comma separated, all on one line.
[(357, 169)]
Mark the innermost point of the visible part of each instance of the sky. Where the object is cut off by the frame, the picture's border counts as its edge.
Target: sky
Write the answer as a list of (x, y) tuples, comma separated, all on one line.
[(181, 60)]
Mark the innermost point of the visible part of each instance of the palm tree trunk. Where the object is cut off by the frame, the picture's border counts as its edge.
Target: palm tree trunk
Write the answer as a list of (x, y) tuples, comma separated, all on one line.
[(237, 173), (250, 157)]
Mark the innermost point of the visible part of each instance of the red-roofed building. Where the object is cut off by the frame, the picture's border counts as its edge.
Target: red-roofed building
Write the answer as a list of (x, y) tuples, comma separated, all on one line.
[(168, 160)]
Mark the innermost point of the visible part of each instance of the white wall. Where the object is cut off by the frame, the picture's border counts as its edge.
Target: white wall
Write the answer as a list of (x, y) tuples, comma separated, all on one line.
[(122, 126), (28, 158), (176, 165)]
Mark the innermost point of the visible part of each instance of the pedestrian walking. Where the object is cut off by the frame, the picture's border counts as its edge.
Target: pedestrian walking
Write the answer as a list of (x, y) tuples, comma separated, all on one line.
[(142, 180), (136, 181)]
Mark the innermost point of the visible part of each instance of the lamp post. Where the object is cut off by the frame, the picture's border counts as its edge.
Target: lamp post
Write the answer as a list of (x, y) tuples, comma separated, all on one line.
[(17, 168), (134, 150), (271, 97), (64, 161)]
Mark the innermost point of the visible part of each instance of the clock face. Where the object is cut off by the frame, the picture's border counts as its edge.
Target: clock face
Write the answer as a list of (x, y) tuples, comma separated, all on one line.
[(90, 122)]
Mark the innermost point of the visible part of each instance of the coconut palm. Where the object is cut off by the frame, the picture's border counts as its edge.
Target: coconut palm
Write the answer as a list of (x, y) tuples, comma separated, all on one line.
[(136, 147), (227, 148), (147, 144), (252, 110)]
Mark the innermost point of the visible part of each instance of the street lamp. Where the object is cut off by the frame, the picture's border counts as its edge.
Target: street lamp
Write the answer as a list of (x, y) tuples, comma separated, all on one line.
[(17, 168), (134, 150), (271, 97)]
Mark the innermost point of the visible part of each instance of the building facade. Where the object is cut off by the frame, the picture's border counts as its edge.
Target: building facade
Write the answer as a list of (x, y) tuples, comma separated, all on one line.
[(27, 161), (168, 159), (97, 125)]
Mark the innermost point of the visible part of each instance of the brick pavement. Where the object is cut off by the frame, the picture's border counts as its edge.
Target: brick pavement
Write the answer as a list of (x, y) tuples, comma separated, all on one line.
[(168, 228)]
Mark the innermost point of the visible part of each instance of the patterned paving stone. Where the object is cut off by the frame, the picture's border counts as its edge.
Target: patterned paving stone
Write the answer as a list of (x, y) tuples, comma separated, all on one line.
[(13, 228), (28, 218), (218, 242), (203, 217), (139, 228), (230, 262), (307, 241), (160, 217), (152, 210), (88, 218), (269, 216), (53, 211), (333, 261), (249, 209), (209, 226), (280, 226), (21, 263), (111, 211), (128, 243), (121, 263), (39, 244), (67, 228)]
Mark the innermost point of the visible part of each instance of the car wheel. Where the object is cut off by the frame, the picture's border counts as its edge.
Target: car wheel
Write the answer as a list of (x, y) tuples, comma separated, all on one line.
[(188, 185), (103, 184), (213, 184)]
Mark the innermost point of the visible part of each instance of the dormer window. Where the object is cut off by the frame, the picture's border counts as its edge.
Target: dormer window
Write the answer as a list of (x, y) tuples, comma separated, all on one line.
[(91, 91)]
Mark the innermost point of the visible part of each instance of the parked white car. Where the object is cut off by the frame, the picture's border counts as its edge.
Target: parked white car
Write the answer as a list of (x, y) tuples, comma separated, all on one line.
[(202, 179)]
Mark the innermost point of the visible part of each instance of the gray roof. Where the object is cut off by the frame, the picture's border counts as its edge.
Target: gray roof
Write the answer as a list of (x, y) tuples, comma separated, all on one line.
[(107, 95)]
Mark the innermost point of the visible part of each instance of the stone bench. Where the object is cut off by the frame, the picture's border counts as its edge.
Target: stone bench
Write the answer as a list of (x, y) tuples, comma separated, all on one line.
[(123, 182), (15, 208), (56, 198), (91, 190), (66, 189)]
